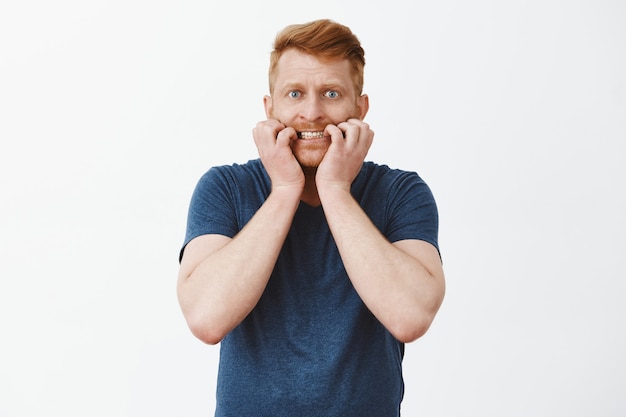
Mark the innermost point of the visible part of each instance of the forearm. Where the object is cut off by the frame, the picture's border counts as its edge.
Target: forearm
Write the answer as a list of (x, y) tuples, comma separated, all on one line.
[(224, 283), (400, 287)]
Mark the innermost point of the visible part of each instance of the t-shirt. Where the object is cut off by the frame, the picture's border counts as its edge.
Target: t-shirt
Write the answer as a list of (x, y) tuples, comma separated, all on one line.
[(310, 347)]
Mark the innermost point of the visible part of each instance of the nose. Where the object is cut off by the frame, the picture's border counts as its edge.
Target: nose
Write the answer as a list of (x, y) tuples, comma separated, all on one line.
[(312, 109)]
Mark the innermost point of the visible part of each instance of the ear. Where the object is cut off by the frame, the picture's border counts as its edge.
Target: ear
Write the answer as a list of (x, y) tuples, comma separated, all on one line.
[(267, 103), (363, 103)]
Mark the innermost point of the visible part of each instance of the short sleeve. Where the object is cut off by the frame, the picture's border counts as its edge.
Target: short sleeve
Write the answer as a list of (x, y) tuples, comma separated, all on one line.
[(412, 211), (211, 208)]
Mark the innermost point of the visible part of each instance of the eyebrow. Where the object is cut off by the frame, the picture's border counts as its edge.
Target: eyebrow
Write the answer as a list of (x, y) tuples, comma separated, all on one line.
[(299, 86), (292, 86)]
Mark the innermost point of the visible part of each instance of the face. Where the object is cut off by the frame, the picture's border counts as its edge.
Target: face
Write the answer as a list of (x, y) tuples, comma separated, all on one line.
[(310, 94)]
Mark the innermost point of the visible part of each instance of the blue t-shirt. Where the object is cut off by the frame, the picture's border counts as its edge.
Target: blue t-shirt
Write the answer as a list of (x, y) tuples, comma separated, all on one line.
[(311, 347)]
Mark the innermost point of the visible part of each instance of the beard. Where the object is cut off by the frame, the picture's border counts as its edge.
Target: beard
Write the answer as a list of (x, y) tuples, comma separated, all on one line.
[(310, 152)]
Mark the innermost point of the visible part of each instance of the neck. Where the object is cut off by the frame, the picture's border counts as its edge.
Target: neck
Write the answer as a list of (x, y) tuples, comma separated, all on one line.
[(309, 193)]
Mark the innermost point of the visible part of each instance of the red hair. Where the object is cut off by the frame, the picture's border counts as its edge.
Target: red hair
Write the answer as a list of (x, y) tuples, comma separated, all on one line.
[(324, 39)]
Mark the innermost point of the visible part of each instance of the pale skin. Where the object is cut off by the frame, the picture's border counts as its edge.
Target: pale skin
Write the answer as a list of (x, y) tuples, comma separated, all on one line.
[(222, 279)]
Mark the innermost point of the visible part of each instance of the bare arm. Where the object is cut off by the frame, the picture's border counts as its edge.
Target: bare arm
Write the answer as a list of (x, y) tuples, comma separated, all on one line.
[(221, 279), (402, 283)]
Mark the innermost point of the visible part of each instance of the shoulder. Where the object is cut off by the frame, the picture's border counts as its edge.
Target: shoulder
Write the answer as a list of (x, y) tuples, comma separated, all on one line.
[(236, 185), (225, 198), (399, 202), (251, 174), (251, 169), (387, 178)]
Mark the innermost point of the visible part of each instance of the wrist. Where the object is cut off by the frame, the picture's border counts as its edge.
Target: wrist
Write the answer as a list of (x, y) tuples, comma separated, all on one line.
[(287, 193), (332, 191)]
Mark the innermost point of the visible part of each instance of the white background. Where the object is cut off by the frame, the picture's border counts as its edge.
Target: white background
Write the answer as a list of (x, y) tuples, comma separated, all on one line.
[(513, 112)]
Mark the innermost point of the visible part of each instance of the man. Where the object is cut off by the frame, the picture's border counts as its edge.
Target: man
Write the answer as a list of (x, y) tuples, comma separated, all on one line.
[(309, 265)]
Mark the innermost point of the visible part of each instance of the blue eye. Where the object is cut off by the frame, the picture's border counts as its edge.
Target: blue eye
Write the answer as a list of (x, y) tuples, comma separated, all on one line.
[(332, 94), (294, 94)]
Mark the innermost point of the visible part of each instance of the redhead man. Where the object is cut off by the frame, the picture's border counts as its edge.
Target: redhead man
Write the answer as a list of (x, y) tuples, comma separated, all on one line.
[(310, 266)]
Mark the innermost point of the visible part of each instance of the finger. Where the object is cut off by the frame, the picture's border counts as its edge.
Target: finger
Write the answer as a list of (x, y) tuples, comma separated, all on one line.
[(334, 132), (357, 130), (266, 131), (351, 130), (286, 135)]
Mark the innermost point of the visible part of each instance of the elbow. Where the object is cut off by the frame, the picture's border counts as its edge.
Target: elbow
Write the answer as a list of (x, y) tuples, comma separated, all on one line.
[(211, 335), (410, 327), (201, 321), (204, 326), (208, 338), (410, 330)]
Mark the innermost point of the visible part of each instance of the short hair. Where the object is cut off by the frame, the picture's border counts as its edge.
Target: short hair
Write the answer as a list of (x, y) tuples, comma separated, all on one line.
[(324, 39)]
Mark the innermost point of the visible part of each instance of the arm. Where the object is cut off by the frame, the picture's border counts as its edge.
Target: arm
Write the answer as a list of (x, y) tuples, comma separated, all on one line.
[(221, 279), (402, 283)]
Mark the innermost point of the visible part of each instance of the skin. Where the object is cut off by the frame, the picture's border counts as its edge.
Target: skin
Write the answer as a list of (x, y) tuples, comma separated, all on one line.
[(221, 279)]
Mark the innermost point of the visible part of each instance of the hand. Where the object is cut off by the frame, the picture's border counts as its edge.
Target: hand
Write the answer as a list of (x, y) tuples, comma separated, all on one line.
[(273, 139), (350, 142)]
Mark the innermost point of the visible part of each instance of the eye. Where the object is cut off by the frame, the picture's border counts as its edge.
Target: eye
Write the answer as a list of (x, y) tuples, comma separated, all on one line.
[(332, 94), (294, 94)]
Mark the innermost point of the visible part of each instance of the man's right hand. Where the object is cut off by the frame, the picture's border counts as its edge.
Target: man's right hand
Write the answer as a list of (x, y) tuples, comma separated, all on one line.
[(273, 141)]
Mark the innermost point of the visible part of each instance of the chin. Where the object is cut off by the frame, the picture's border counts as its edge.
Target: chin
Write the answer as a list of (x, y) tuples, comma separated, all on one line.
[(308, 162), (310, 156)]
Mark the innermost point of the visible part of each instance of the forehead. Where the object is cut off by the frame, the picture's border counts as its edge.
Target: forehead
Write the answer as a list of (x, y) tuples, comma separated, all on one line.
[(296, 67)]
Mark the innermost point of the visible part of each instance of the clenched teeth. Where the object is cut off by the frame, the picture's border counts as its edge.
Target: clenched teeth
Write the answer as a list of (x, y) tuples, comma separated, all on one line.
[(310, 135)]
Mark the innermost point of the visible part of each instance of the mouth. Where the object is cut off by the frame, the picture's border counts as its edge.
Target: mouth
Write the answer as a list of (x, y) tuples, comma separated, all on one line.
[(311, 135)]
